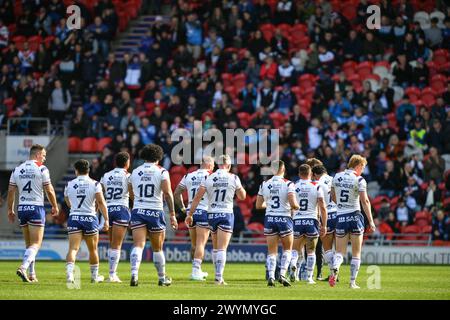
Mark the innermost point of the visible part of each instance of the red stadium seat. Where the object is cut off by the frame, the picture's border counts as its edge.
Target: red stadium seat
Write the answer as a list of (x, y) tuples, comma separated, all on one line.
[(244, 119), (74, 144), (364, 69), (239, 81), (89, 145), (349, 68), (227, 79), (34, 42), (178, 170), (278, 119), (413, 93), (267, 30), (438, 83), (440, 57), (428, 97), (306, 81), (103, 142), (298, 31), (384, 228), (285, 29), (441, 243), (299, 43)]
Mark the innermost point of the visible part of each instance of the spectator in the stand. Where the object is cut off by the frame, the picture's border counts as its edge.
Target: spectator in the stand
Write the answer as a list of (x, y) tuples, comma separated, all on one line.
[(58, 103), (352, 46), (434, 166), (93, 107), (194, 35), (285, 100), (441, 226), (4, 35), (436, 137), (213, 40), (403, 213), (433, 35), (372, 48), (266, 96), (147, 131), (100, 32), (79, 124)]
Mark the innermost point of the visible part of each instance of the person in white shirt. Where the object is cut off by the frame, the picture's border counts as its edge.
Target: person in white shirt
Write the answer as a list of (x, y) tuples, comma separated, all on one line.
[(82, 195), (321, 176), (347, 191), (199, 230), (220, 188), (115, 187), (306, 223), (31, 179), (277, 196), (147, 185)]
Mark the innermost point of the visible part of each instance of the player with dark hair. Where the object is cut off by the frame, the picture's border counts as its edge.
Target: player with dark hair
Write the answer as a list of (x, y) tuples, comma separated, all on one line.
[(81, 195), (277, 196), (115, 187), (147, 185), (306, 223)]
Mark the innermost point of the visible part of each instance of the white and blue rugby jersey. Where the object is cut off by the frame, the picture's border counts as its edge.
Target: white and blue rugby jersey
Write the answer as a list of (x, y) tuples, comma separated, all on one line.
[(221, 187), (146, 181), (307, 193), (347, 186), (275, 193), (325, 182), (191, 182), (30, 178), (81, 192), (115, 183)]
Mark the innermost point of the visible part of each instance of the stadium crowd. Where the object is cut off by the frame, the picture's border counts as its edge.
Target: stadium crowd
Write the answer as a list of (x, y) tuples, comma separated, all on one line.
[(305, 67)]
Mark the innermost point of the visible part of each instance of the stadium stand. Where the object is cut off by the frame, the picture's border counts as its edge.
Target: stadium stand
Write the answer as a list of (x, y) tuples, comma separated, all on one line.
[(382, 93)]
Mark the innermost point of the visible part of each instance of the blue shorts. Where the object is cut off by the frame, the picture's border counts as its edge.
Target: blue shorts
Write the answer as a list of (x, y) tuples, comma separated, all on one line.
[(200, 219), (306, 227), (222, 221), (152, 219), (350, 223), (88, 225), (119, 215), (31, 215), (331, 222), (276, 225)]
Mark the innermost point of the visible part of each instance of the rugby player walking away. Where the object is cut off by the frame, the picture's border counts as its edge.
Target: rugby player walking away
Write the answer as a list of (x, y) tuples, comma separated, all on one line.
[(321, 176), (277, 196), (306, 223), (220, 188), (31, 179), (115, 187), (82, 194), (348, 189), (147, 185), (199, 230)]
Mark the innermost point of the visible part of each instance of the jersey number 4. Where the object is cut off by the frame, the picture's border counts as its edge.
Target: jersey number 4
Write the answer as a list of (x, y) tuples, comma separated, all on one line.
[(27, 187)]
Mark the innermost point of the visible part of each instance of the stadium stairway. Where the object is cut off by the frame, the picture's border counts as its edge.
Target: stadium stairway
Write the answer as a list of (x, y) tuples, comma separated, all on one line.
[(130, 40)]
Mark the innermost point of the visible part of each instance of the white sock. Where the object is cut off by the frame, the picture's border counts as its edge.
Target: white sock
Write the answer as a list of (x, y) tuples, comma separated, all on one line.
[(160, 264), (354, 268), (285, 261), (31, 270), (69, 269), (28, 257), (294, 258), (94, 271), (113, 257), (329, 257), (214, 256), (310, 263), (337, 261), (135, 259), (196, 266), (221, 259), (271, 265)]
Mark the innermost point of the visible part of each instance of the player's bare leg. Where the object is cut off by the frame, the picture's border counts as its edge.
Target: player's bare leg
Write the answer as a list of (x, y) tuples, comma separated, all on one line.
[(223, 239), (193, 237), (297, 258), (33, 235), (157, 240), (74, 246), (341, 251), (116, 235), (286, 243), (271, 262), (201, 237), (356, 241), (311, 244), (327, 243), (139, 239), (92, 245)]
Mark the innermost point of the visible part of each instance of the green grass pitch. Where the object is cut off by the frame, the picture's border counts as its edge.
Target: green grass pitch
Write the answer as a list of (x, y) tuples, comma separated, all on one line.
[(245, 282)]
